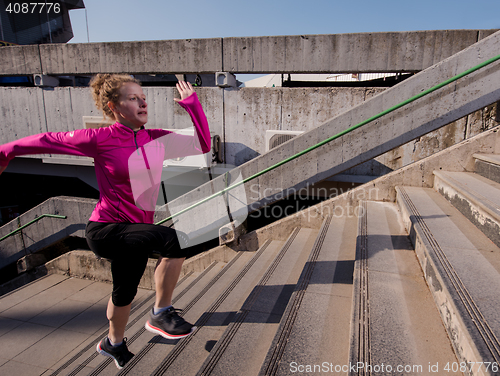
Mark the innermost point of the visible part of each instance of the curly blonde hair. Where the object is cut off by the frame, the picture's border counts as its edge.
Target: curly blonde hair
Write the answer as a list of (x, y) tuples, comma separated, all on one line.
[(105, 88)]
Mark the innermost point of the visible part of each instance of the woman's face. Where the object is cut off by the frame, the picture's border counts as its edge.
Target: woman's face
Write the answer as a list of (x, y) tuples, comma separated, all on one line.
[(131, 107)]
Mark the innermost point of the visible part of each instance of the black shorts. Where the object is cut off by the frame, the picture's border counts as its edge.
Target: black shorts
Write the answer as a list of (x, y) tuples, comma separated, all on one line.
[(128, 247)]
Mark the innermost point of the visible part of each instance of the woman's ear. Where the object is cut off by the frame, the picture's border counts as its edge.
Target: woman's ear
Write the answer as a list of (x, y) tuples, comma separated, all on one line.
[(111, 106)]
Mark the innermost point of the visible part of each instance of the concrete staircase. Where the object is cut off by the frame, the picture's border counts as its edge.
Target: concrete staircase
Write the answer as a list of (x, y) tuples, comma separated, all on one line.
[(405, 283), (408, 287)]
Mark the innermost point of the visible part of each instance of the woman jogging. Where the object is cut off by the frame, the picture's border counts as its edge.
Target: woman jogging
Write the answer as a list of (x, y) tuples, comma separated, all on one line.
[(120, 228)]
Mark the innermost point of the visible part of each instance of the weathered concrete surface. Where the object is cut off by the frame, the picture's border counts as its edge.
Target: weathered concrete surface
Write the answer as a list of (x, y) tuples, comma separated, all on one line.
[(46, 231), (338, 53), (428, 114), (62, 315), (84, 264), (20, 60), (466, 127), (488, 166), (476, 197), (178, 56), (394, 318)]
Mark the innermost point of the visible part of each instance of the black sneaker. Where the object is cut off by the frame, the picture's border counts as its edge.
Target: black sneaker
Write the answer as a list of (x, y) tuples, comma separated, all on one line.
[(120, 354), (169, 324)]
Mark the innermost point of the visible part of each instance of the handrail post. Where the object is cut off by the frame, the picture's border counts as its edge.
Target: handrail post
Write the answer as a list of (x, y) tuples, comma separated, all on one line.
[(20, 230)]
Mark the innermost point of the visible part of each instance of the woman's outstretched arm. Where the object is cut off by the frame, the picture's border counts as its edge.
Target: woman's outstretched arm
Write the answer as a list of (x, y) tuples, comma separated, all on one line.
[(79, 142)]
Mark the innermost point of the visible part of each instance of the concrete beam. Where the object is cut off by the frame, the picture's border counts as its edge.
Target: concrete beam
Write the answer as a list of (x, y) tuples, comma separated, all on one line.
[(19, 60), (341, 53), (179, 56), (337, 53)]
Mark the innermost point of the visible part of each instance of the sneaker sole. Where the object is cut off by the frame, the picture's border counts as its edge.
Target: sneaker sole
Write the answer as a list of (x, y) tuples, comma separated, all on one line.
[(102, 352), (155, 330)]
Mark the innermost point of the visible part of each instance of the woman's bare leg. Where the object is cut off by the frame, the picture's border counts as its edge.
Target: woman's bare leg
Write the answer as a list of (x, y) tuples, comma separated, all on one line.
[(167, 274)]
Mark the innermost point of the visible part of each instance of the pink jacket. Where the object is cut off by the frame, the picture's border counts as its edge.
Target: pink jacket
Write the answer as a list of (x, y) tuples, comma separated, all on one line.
[(128, 164)]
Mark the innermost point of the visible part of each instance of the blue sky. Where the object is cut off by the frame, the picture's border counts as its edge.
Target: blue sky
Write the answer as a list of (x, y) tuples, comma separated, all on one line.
[(131, 20)]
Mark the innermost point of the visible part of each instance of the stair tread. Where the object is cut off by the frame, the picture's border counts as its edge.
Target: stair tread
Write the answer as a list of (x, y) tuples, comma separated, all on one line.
[(475, 196), (212, 325), (315, 326), (29, 290), (255, 324), (490, 158), (466, 260), (135, 330), (461, 242), (157, 349), (405, 328), (482, 190)]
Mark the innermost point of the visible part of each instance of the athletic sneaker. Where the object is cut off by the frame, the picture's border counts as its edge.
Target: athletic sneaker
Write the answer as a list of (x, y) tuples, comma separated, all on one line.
[(120, 354), (169, 324)]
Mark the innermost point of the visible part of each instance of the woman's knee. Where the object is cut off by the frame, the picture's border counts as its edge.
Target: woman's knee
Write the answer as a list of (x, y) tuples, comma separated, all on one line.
[(123, 298)]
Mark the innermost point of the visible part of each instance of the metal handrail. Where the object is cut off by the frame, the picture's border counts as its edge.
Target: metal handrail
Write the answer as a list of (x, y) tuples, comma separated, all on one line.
[(340, 134), (33, 221)]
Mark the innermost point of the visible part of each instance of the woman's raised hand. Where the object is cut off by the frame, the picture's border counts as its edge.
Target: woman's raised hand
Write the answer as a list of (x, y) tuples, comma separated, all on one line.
[(185, 90)]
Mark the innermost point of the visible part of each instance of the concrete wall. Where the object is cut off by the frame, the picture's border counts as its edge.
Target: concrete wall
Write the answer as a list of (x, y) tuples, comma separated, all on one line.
[(339, 53), (239, 116), (426, 145)]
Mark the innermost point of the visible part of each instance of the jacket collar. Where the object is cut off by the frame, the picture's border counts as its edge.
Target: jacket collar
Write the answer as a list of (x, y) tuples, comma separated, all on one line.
[(127, 129)]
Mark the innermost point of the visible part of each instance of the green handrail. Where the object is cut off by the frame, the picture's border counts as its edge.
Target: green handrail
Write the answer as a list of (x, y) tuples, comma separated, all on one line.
[(340, 134), (33, 221)]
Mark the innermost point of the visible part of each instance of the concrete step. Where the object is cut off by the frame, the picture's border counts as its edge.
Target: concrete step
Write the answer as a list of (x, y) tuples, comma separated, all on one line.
[(41, 323), (243, 346), (315, 325), (396, 328), (462, 269), (88, 361), (212, 324), (475, 196), (156, 349), (488, 165)]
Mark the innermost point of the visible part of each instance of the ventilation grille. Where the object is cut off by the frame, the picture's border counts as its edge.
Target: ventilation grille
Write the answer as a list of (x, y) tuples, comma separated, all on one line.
[(279, 139), (276, 138)]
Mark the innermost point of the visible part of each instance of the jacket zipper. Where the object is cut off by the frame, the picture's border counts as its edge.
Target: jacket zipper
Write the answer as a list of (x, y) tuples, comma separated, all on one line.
[(136, 145)]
